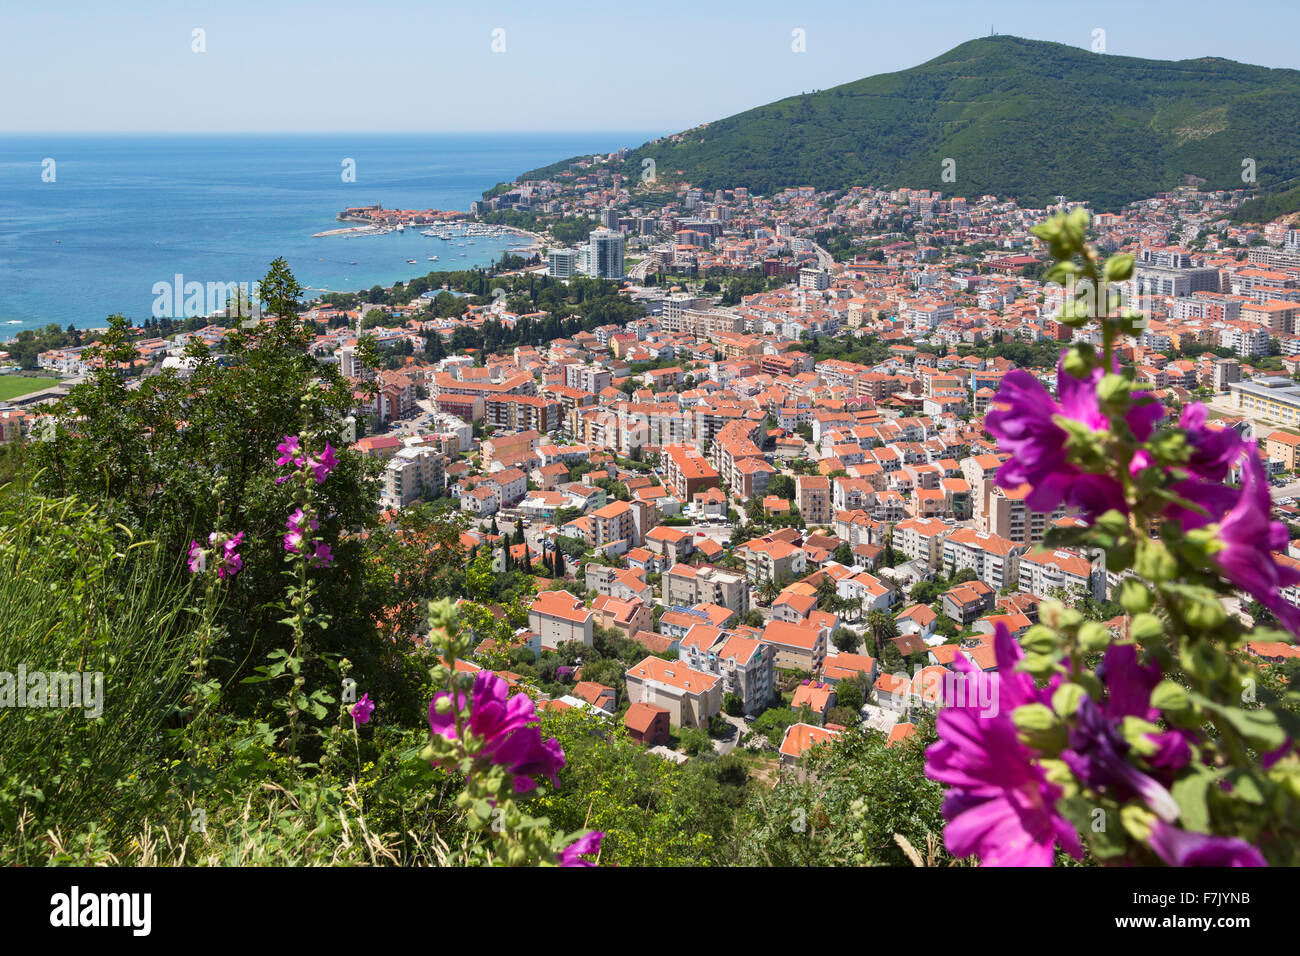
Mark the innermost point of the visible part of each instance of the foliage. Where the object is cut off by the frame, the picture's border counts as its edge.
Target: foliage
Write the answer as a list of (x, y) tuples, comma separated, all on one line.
[(1005, 109)]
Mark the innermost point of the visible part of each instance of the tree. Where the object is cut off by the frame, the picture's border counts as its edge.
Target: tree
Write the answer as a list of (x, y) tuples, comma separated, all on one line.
[(782, 486), (848, 693), (480, 577), (883, 627), (826, 593), (695, 741), (844, 554), (845, 640)]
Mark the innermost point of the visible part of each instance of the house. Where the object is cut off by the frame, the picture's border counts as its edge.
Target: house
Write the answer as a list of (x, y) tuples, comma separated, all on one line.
[(899, 732), (799, 739), (966, 602), (692, 698), (625, 616), (674, 545), (558, 617), (625, 583), (793, 606), (849, 667), (918, 619), (817, 697), (647, 724), (598, 695), (892, 692)]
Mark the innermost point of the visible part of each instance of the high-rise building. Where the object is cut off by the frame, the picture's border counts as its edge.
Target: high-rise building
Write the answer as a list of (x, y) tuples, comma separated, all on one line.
[(605, 256), (562, 263)]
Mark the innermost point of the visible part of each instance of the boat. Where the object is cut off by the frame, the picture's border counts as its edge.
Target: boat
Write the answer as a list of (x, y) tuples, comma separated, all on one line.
[(411, 261), (433, 258)]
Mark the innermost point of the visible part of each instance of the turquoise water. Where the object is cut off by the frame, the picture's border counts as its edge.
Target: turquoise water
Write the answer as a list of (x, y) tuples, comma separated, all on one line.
[(126, 212)]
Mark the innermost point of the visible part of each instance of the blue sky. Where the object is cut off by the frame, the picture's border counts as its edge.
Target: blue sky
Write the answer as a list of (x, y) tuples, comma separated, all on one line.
[(401, 65)]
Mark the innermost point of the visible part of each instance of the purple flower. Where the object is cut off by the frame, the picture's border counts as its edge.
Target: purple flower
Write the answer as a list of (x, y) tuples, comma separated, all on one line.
[(326, 463), (505, 724), (229, 562), (1098, 756), (1128, 684), (1212, 499), (323, 557), (999, 804), (1249, 538), (587, 844), (1214, 450), (1128, 694), (227, 559), (362, 709), (1174, 749), (295, 540), (1023, 420), (1184, 848), (289, 450)]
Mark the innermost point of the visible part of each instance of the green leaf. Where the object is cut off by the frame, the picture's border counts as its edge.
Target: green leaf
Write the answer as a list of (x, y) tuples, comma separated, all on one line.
[(1259, 727), (1118, 267)]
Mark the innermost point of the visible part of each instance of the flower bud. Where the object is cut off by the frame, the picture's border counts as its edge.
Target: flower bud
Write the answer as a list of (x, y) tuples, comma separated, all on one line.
[(1134, 596)]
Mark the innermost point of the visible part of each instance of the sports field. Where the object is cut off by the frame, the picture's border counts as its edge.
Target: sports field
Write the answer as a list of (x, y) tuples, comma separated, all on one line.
[(11, 386)]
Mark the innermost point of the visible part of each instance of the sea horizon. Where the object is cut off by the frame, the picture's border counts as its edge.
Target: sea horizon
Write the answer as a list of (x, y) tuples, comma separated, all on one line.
[(94, 231)]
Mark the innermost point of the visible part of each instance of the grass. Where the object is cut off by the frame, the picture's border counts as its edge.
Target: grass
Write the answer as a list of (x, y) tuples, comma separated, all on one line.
[(76, 597), (12, 386)]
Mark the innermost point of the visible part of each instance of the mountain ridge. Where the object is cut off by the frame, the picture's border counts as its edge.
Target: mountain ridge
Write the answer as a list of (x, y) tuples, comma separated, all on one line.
[(1026, 119)]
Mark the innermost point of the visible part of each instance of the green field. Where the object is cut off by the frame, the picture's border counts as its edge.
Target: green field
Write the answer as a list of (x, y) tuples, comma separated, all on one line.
[(11, 386)]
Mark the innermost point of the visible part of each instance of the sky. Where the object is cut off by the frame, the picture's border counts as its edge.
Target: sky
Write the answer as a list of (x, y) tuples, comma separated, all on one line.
[(402, 65)]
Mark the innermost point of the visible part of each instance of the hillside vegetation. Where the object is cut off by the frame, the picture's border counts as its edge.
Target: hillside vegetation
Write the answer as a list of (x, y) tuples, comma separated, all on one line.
[(1020, 118)]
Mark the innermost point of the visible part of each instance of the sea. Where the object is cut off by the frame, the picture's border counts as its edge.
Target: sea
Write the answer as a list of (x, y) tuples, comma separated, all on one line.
[(92, 225)]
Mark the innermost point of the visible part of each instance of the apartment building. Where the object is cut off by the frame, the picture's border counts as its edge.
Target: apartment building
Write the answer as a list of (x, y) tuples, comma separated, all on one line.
[(746, 666), (614, 522), (772, 558), (1283, 447), (814, 499), (413, 473), (1044, 572), (1007, 514), (687, 471), (557, 617), (921, 539), (692, 698), (994, 559), (684, 585), (797, 646), (523, 413)]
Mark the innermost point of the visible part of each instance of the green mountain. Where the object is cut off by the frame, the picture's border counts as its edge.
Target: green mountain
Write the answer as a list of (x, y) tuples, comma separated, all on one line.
[(1021, 118)]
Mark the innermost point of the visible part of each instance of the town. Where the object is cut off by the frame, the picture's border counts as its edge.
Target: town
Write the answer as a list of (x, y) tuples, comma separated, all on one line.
[(771, 486)]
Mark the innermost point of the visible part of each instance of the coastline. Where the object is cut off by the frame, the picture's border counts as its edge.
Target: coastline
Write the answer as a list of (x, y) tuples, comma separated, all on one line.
[(264, 197)]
